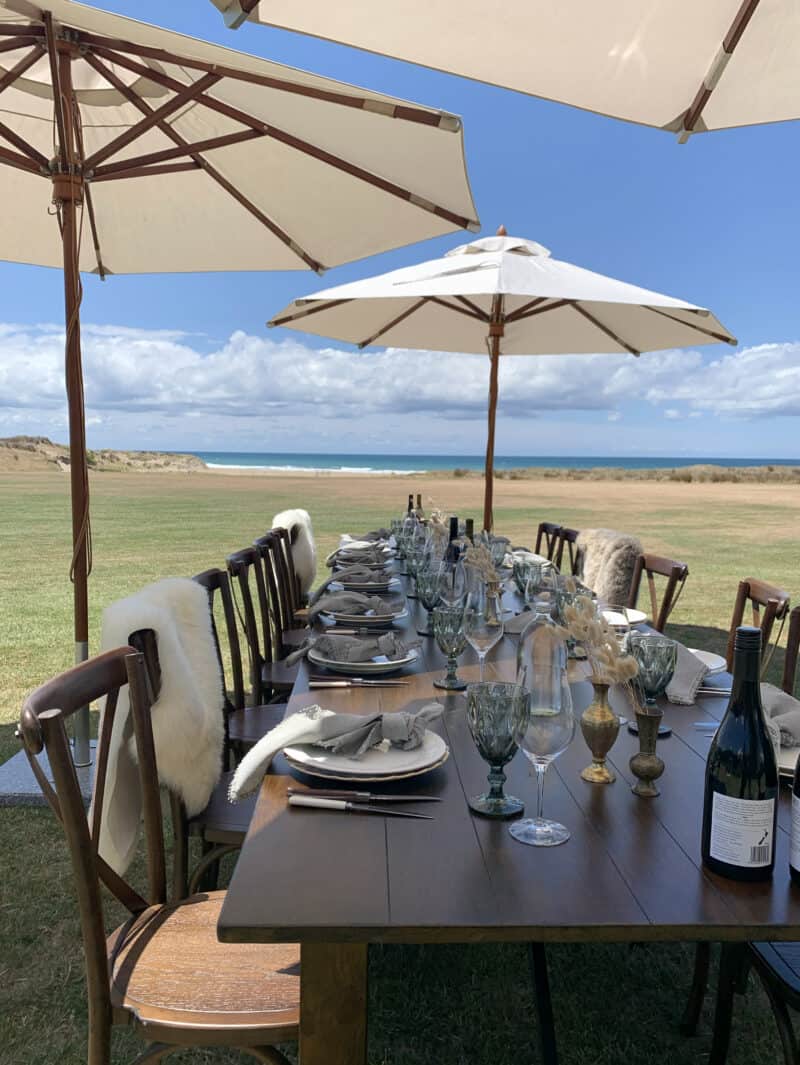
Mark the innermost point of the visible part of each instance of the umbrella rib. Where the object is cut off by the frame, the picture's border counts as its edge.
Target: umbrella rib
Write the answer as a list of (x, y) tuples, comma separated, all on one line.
[(517, 316), (136, 162), (27, 149), (604, 328), (395, 321), (473, 306), (306, 147), (27, 30), (690, 325), (142, 171), (17, 71), (404, 112), (153, 118), (210, 170), (18, 42), (458, 310), (325, 306), (740, 23), (87, 192), (520, 311), (21, 162)]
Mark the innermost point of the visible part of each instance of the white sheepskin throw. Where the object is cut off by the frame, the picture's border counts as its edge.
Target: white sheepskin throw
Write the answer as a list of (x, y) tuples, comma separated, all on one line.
[(304, 549), (608, 561), (187, 717)]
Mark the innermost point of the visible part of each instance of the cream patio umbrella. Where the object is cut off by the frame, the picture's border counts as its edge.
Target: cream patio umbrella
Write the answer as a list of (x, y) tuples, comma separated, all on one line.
[(169, 154), (681, 65), (502, 296)]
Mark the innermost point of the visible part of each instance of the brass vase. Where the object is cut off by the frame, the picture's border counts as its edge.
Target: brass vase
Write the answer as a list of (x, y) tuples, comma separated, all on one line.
[(646, 766), (600, 728)]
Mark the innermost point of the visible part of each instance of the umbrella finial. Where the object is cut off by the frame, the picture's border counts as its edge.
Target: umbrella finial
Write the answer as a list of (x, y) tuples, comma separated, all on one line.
[(502, 231)]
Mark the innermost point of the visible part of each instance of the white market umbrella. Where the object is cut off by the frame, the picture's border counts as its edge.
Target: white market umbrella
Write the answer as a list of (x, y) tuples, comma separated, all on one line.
[(681, 65), (502, 296), (165, 153)]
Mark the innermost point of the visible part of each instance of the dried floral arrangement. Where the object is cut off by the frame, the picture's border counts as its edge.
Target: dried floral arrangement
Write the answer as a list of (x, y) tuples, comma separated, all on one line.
[(609, 662), (478, 559)]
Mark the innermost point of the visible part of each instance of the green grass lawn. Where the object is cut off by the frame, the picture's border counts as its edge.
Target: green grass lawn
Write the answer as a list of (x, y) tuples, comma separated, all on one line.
[(448, 1005)]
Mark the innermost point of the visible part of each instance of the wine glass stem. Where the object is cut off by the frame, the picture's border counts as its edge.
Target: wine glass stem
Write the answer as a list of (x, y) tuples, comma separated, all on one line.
[(540, 772), (497, 779), (452, 668), (481, 660)]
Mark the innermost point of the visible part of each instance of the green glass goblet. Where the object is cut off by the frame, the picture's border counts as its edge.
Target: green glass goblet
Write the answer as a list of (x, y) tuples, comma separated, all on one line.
[(448, 628), (428, 592), (495, 714)]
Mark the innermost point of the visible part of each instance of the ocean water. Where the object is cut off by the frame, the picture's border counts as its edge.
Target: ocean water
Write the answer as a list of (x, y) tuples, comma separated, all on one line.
[(347, 463)]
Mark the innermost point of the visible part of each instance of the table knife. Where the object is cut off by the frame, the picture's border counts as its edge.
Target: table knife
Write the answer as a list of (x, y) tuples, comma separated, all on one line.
[(359, 796), (355, 682), (351, 807)]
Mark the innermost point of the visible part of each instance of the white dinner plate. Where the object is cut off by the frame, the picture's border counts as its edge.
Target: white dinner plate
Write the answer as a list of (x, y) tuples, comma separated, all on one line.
[(715, 663), (362, 669), (379, 763), (630, 617), (377, 588), (367, 621)]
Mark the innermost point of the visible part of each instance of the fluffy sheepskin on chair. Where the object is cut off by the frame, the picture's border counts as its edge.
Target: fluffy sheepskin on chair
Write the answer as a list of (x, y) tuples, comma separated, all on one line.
[(187, 716), (608, 559), (304, 549)]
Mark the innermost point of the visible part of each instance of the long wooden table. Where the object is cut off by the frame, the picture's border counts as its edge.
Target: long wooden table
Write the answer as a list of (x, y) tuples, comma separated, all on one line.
[(631, 871)]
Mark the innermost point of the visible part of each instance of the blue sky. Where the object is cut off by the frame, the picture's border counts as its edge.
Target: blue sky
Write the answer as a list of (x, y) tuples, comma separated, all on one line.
[(715, 221)]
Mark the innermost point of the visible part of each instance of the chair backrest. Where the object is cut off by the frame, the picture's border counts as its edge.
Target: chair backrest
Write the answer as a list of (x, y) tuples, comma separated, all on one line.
[(547, 539), (276, 578), (768, 604), (42, 728), (792, 652), (247, 572), (568, 538), (675, 573), (217, 583), (293, 585)]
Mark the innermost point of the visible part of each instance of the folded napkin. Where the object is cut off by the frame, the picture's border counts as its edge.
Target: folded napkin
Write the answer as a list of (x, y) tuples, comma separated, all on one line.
[(687, 678), (782, 710), (348, 734), (356, 603), (383, 535), (354, 574), (354, 648)]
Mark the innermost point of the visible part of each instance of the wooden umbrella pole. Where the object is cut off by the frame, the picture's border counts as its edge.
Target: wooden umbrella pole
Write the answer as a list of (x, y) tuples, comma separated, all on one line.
[(68, 194), (496, 330)]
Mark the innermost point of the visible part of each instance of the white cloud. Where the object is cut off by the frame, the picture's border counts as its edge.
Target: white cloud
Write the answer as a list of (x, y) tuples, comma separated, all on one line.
[(151, 379)]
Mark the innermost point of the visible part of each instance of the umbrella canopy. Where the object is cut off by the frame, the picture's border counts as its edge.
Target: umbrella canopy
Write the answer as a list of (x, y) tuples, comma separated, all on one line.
[(169, 154), (502, 296), (679, 65)]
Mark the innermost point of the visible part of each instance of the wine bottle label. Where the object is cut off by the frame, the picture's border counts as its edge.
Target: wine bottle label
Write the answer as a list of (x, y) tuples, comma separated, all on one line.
[(794, 849), (741, 831)]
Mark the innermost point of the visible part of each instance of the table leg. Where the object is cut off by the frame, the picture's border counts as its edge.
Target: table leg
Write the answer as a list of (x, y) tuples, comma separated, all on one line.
[(333, 1004)]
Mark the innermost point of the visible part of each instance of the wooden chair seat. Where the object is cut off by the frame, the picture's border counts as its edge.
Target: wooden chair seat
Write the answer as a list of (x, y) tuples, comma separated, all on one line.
[(247, 726), (278, 675), (168, 968)]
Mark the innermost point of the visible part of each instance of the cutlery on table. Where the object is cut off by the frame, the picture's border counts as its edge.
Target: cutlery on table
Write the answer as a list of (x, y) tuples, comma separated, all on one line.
[(351, 807), (706, 726), (359, 796), (356, 682), (713, 691)]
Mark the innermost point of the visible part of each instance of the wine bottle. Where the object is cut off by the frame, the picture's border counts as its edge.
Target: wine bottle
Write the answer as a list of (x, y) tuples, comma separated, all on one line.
[(410, 504), (740, 806), (420, 511), (470, 530), (453, 550), (794, 846)]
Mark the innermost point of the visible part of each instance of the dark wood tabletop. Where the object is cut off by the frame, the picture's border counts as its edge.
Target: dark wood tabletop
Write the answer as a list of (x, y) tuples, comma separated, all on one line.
[(631, 870)]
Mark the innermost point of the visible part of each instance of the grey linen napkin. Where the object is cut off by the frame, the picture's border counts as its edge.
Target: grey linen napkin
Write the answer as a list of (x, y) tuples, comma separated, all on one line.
[(783, 710), (356, 574), (348, 734), (355, 603), (354, 648), (377, 534), (687, 678)]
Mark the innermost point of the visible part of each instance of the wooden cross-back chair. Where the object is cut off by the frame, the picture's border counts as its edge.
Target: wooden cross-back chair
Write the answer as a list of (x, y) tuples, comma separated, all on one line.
[(285, 538), (567, 539), (768, 604), (278, 581), (547, 539), (652, 566), (792, 652), (163, 972), (269, 678)]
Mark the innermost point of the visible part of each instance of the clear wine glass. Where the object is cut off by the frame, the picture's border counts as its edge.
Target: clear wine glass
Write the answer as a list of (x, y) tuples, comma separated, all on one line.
[(545, 733), (428, 589), (453, 583), (483, 619)]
